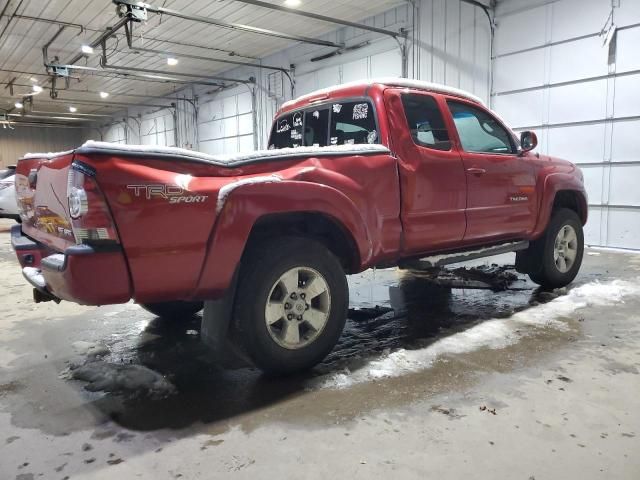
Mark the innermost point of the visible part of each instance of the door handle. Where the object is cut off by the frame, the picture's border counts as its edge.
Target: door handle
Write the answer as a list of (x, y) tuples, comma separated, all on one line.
[(476, 171)]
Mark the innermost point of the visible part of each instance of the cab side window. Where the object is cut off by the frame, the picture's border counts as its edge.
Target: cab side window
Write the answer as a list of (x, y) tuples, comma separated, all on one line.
[(426, 123), (479, 131)]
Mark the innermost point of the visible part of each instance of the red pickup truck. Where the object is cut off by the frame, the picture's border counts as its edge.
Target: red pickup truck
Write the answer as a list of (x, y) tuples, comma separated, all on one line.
[(378, 173)]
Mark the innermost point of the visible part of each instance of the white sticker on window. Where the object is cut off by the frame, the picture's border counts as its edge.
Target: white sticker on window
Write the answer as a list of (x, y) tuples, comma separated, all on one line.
[(316, 114), (337, 107), (283, 126), (296, 135), (360, 111), (350, 141), (297, 119), (372, 136), (334, 140)]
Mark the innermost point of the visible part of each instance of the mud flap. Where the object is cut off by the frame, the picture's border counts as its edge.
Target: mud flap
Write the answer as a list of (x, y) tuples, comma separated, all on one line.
[(216, 330)]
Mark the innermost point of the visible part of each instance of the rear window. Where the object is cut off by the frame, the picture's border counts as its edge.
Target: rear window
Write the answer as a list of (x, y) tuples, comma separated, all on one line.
[(316, 127), (287, 131), (353, 123), (344, 123)]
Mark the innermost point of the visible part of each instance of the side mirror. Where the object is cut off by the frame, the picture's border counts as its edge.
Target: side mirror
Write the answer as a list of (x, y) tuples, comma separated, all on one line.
[(528, 141)]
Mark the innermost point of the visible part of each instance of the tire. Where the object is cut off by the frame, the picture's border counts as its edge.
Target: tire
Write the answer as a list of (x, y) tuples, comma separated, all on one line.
[(173, 310), (549, 272), (280, 320)]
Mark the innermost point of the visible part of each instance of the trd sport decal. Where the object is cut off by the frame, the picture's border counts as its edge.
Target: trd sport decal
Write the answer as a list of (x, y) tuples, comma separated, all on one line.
[(172, 193)]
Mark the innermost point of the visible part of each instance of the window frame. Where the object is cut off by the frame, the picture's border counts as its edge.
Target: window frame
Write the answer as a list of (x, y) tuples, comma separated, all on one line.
[(328, 104), (514, 146), (443, 114)]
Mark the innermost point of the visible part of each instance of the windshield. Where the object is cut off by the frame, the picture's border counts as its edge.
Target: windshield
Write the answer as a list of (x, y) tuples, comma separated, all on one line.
[(339, 123)]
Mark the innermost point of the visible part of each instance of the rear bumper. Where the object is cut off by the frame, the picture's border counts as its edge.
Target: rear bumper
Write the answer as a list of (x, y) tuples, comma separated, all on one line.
[(80, 274)]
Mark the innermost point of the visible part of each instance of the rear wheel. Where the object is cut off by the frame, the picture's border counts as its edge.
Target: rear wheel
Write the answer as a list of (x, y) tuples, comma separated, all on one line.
[(291, 304), (177, 309), (556, 256)]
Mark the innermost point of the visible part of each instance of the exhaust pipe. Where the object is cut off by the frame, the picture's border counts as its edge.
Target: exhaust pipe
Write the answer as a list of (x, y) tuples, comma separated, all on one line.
[(39, 296)]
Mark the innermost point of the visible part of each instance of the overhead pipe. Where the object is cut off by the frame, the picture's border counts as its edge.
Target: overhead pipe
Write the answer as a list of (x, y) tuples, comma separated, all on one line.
[(128, 33), (51, 21), (127, 7), (152, 74), (83, 29), (105, 65), (102, 104), (323, 18)]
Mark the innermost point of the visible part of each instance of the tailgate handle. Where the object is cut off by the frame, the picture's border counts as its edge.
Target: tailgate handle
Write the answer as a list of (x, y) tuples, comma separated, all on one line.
[(476, 171)]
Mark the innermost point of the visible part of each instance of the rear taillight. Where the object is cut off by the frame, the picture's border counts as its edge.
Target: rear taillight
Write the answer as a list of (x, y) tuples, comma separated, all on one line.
[(90, 216)]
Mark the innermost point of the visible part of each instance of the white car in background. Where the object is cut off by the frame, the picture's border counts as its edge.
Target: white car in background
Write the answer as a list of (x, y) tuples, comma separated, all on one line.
[(8, 203)]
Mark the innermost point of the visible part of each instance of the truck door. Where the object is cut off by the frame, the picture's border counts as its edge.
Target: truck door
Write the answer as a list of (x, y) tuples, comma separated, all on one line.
[(432, 178), (501, 194)]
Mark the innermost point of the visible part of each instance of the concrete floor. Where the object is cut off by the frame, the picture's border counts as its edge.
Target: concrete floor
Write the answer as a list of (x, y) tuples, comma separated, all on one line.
[(518, 384)]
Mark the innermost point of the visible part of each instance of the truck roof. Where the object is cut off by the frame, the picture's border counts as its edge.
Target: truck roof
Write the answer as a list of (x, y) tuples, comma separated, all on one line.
[(386, 81)]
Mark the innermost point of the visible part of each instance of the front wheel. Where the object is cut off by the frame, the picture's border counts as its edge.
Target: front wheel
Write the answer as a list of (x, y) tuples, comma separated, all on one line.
[(558, 253), (291, 304)]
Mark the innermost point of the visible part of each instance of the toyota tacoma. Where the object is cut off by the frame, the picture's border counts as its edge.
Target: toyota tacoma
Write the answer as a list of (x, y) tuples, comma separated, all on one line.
[(372, 174)]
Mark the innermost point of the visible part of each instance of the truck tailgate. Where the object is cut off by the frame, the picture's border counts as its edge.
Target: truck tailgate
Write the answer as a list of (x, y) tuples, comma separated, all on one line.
[(41, 190)]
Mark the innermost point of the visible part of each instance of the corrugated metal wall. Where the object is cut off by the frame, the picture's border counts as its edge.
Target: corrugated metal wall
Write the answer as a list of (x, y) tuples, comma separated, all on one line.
[(23, 139), (553, 74)]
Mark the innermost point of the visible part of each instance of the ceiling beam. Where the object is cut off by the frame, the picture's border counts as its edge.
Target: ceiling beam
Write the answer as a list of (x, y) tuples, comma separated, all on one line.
[(83, 28), (323, 18), (129, 34), (130, 6)]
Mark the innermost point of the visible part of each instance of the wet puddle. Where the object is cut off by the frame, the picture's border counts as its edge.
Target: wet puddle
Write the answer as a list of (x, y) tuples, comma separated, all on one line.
[(390, 310)]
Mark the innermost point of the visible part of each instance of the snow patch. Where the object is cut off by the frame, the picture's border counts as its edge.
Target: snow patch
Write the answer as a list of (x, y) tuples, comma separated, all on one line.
[(434, 259), (126, 379), (34, 276), (48, 155), (235, 159), (391, 81), (492, 334), (90, 349), (226, 190)]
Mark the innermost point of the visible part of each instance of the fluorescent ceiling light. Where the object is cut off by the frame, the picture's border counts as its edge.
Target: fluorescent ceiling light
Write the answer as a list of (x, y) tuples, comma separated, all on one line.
[(104, 94), (292, 3), (73, 109), (87, 49), (172, 61), (37, 88), (19, 105)]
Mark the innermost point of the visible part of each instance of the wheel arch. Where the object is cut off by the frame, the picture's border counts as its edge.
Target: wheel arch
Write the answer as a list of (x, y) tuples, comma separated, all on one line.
[(316, 225), (573, 200), (294, 205)]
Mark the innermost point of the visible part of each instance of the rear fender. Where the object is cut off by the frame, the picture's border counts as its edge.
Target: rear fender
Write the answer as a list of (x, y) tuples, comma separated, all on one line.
[(248, 203), (554, 183)]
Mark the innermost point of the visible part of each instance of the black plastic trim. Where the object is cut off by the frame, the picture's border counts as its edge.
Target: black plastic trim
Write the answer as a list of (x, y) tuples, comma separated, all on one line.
[(20, 241), (83, 168)]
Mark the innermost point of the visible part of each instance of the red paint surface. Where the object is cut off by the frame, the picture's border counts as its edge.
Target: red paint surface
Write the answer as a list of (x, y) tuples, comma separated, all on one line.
[(411, 202)]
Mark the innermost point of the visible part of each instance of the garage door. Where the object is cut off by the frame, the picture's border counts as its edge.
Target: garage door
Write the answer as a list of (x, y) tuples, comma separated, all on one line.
[(225, 124), (157, 129), (384, 64), (115, 134), (555, 74)]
